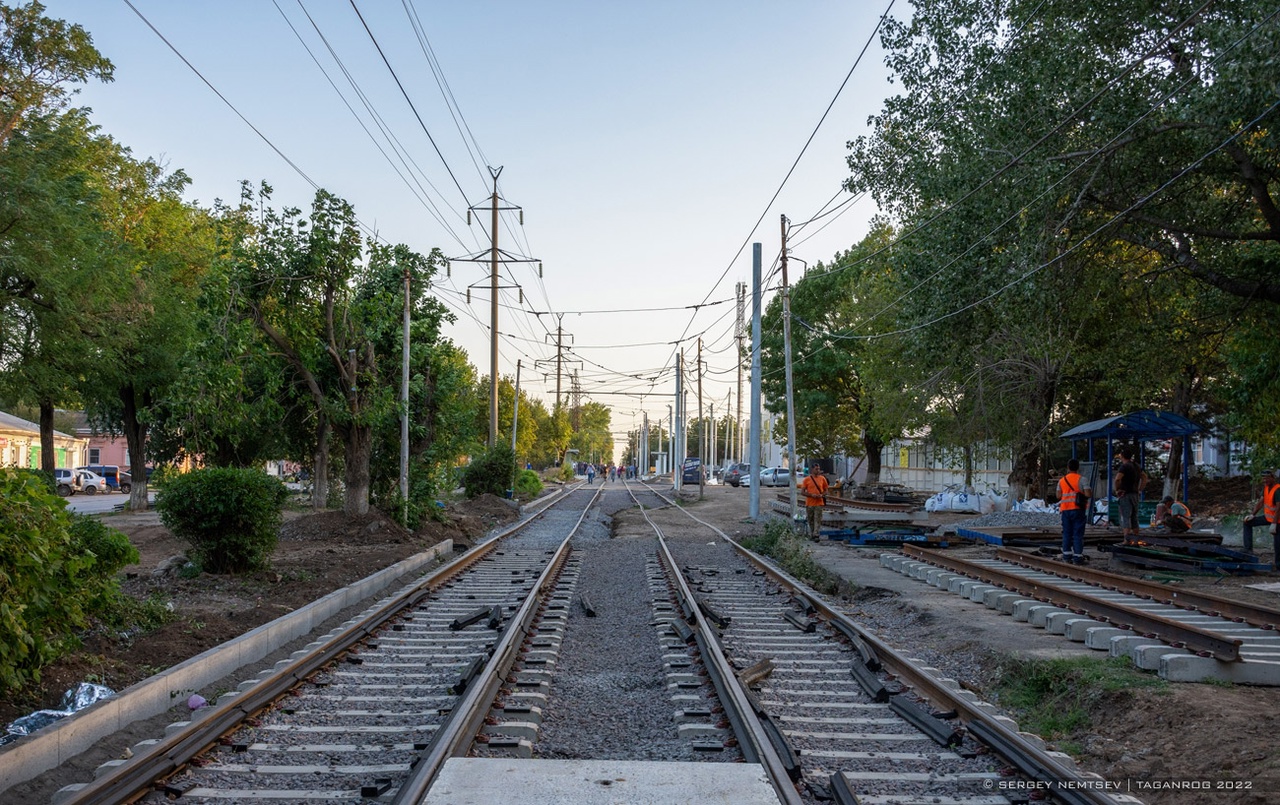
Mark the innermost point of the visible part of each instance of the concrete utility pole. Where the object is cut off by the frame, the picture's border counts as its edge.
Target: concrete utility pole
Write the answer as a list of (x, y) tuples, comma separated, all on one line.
[(494, 257), (493, 317), (754, 443), (702, 427), (786, 352), (677, 428), (404, 407), (515, 424), (738, 449)]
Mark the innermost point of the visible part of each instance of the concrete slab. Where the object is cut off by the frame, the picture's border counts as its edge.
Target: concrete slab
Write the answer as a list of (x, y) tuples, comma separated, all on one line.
[(1190, 668), (484, 781), (1149, 658)]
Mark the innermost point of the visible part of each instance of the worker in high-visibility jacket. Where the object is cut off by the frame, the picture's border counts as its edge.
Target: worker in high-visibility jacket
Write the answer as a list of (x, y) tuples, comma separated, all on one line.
[(1173, 515), (1267, 504), (814, 487), (1073, 505)]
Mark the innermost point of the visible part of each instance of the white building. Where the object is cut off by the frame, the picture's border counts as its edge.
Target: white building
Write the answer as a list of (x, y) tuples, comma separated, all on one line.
[(20, 445)]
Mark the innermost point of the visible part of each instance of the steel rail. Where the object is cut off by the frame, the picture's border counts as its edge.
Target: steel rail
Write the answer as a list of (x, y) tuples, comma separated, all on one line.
[(1068, 785), (456, 735), (753, 738), (132, 780), (1262, 617), (1171, 631)]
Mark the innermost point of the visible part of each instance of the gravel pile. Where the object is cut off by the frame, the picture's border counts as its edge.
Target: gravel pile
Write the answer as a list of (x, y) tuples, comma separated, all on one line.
[(1005, 519)]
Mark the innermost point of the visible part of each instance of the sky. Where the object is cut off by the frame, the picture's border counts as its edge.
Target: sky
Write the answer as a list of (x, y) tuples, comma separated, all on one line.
[(643, 141)]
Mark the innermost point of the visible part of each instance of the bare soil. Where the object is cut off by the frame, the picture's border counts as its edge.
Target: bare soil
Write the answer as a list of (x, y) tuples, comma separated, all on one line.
[(1182, 733)]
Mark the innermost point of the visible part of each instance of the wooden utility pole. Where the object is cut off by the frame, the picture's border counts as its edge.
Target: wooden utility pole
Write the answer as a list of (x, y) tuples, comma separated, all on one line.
[(738, 449), (786, 351), (404, 408), (493, 317)]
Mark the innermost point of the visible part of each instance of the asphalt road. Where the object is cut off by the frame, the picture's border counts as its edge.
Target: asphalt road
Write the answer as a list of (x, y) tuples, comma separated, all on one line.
[(98, 504)]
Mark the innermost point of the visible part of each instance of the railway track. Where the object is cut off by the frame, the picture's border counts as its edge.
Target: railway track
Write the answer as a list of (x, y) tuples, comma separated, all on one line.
[(554, 661), (864, 722), (1186, 636)]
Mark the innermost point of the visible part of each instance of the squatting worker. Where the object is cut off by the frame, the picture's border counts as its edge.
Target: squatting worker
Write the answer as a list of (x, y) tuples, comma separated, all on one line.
[(1073, 504), (1130, 480), (1173, 515), (1267, 504), (814, 487)]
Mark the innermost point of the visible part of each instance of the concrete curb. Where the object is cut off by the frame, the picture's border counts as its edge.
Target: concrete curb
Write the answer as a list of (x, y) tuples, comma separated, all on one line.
[(59, 742)]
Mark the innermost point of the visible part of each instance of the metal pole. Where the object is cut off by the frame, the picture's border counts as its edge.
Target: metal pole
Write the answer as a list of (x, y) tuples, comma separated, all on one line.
[(677, 461), (702, 426), (493, 320), (742, 297), (786, 352), (753, 446), (404, 407)]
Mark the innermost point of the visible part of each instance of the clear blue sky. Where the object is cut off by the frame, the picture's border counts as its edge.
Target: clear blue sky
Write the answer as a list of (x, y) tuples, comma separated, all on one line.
[(642, 139)]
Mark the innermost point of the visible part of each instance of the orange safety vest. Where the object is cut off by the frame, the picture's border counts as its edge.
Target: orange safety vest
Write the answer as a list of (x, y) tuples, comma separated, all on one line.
[(1271, 502), (1185, 518), (815, 489), (1069, 492)]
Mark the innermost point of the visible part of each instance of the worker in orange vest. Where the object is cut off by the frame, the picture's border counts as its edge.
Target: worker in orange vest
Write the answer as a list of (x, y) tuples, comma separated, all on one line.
[(1172, 515), (814, 487), (1266, 504), (1073, 504)]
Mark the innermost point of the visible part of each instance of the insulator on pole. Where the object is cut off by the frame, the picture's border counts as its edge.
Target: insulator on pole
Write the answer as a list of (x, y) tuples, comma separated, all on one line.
[(539, 270), (522, 296), (522, 218), (468, 296), (448, 268), (468, 217)]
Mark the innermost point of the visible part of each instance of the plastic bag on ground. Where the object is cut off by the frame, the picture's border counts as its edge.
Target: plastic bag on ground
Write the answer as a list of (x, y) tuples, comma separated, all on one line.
[(73, 701)]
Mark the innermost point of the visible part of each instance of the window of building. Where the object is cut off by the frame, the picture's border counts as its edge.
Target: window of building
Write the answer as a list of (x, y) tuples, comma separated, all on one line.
[(95, 455)]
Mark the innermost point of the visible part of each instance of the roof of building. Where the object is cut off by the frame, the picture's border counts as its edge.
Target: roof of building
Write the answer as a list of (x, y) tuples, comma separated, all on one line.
[(11, 423)]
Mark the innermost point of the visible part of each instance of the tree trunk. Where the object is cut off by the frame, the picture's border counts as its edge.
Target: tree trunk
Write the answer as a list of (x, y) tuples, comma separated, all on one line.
[(968, 468), (873, 447), (358, 441), (47, 458), (320, 472), (135, 436)]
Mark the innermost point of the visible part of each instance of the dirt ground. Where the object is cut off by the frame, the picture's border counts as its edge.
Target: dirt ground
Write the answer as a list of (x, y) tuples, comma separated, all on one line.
[(1181, 733)]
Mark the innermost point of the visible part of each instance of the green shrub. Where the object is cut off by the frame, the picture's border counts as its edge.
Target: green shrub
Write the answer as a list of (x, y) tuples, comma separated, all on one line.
[(566, 473), (55, 572), (45, 477), (528, 483), (231, 517), (491, 472)]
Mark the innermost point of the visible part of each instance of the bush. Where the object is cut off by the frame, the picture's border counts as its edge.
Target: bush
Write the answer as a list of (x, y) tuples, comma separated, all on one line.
[(790, 549), (566, 473), (231, 517), (528, 483), (491, 472), (55, 571)]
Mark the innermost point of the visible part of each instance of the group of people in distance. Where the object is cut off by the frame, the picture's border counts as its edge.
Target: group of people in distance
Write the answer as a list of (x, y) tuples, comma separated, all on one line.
[(614, 473), (1128, 484)]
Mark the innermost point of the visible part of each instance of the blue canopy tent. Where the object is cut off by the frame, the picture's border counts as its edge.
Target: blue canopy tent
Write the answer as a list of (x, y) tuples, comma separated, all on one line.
[(1138, 427)]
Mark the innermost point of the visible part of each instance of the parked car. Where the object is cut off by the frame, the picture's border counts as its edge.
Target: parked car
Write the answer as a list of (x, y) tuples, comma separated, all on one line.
[(65, 482), (118, 480), (736, 473), (776, 476), (90, 482)]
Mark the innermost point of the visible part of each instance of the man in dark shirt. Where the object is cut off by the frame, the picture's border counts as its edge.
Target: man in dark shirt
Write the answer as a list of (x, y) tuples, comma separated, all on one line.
[(1129, 483)]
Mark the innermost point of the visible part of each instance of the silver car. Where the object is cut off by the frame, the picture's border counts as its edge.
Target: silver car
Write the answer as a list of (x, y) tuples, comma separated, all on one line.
[(776, 476)]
